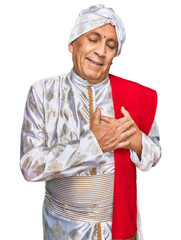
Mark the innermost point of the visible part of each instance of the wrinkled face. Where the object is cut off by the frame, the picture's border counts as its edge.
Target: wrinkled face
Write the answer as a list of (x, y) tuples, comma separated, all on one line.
[(93, 52)]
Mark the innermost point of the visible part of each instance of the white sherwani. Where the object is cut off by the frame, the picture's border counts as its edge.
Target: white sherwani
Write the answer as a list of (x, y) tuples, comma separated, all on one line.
[(57, 142)]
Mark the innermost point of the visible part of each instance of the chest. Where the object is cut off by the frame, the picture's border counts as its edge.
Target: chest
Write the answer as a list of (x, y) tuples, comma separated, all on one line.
[(68, 112)]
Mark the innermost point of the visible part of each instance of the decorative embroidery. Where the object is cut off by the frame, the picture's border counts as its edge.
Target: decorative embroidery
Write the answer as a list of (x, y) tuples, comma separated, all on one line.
[(57, 231), (74, 235), (55, 166), (95, 150), (39, 166), (49, 95), (77, 159)]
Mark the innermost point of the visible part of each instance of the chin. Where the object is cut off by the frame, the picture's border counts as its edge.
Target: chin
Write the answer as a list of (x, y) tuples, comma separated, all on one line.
[(93, 76)]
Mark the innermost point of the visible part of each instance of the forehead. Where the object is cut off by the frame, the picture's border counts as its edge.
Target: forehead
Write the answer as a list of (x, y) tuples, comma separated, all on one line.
[(107, 30)]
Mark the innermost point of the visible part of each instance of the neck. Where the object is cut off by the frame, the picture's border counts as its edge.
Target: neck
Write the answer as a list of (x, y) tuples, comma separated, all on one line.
[(79, 80), (91, 80)]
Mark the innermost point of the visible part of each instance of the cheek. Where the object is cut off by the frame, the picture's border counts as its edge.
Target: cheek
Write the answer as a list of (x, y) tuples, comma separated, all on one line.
[(110, 59), (77, 56), (82, 55), (80, 59), (109, 62), (80, 52)]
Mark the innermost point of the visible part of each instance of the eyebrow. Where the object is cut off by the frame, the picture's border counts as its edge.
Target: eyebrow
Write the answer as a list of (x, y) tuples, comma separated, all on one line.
[(94, 33), (98, 35)]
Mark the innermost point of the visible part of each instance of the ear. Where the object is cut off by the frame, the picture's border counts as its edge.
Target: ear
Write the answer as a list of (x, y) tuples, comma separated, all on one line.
[(70, 46)]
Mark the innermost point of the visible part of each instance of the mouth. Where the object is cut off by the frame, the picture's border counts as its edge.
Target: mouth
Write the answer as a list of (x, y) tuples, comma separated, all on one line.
[(96, 63)]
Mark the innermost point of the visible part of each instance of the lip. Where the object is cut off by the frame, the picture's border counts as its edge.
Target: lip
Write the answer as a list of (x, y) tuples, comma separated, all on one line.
[(95, 62)]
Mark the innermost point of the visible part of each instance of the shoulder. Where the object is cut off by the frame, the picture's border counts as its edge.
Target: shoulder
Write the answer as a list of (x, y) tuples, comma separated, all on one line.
[(48, 86), (48, 81)]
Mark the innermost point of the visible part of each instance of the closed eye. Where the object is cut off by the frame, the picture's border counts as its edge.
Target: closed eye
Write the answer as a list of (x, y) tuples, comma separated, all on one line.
[(92, 40), (111, 47)]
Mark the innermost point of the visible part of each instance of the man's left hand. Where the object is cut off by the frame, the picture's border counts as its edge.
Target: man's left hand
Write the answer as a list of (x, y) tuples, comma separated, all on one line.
[(135, 139)]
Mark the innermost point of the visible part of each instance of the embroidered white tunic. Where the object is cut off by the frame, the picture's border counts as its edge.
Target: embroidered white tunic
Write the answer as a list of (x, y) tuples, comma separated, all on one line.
[(57, 142)]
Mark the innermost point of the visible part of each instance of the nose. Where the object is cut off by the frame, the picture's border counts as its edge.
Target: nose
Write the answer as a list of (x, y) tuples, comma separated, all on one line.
[(101, 49)]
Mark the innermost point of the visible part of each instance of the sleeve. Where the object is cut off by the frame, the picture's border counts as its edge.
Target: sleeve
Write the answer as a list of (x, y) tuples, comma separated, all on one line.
[(151, 150), (40, 163)]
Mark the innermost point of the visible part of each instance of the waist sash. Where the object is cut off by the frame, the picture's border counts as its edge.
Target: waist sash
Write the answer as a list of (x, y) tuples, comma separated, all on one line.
[(82, 198)]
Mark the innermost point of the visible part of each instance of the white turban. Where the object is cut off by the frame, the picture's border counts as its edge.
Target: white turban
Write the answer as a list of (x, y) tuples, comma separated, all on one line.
[(97, 16)]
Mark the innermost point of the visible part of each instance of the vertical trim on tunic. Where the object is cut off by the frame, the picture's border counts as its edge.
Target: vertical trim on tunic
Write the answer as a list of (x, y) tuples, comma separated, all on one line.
[(99, 231), (90, 105), (94, 169), (91, 115)]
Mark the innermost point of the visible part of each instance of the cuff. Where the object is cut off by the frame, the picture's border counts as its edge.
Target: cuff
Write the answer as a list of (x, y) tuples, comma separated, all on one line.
[(94, 147), (147, 155)]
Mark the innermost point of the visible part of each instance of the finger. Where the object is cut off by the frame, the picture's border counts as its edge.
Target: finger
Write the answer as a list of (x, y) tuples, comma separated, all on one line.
[(123, 127), (127, 134), (117, 122), (124, 144), (125, 112), (97, 115), (107, 119), (123, 120)]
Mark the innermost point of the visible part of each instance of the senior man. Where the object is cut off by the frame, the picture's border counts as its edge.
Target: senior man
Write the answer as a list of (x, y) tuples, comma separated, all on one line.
[(85, 132)]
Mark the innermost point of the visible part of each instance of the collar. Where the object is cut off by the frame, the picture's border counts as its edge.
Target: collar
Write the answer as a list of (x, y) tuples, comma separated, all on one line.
[(80, 81)]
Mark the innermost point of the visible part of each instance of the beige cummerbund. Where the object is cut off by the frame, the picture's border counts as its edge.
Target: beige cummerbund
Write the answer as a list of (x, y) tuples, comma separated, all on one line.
[(82, 198)]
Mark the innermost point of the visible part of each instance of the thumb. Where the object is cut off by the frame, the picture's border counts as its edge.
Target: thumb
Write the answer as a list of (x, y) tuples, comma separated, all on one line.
[(97, 115), (125, 112)]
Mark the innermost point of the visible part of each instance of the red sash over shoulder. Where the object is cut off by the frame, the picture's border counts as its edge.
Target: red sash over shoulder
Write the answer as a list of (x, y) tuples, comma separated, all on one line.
[(141, 103)]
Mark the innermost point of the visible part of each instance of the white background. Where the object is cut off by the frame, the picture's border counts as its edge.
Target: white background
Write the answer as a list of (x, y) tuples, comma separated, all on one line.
[(33, 46)]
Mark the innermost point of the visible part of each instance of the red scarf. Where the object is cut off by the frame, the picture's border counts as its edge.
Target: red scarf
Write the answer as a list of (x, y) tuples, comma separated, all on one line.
[(141, 103)]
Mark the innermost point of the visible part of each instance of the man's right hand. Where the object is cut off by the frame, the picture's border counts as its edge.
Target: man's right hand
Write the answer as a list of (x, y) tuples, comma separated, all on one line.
[(113, 134)]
